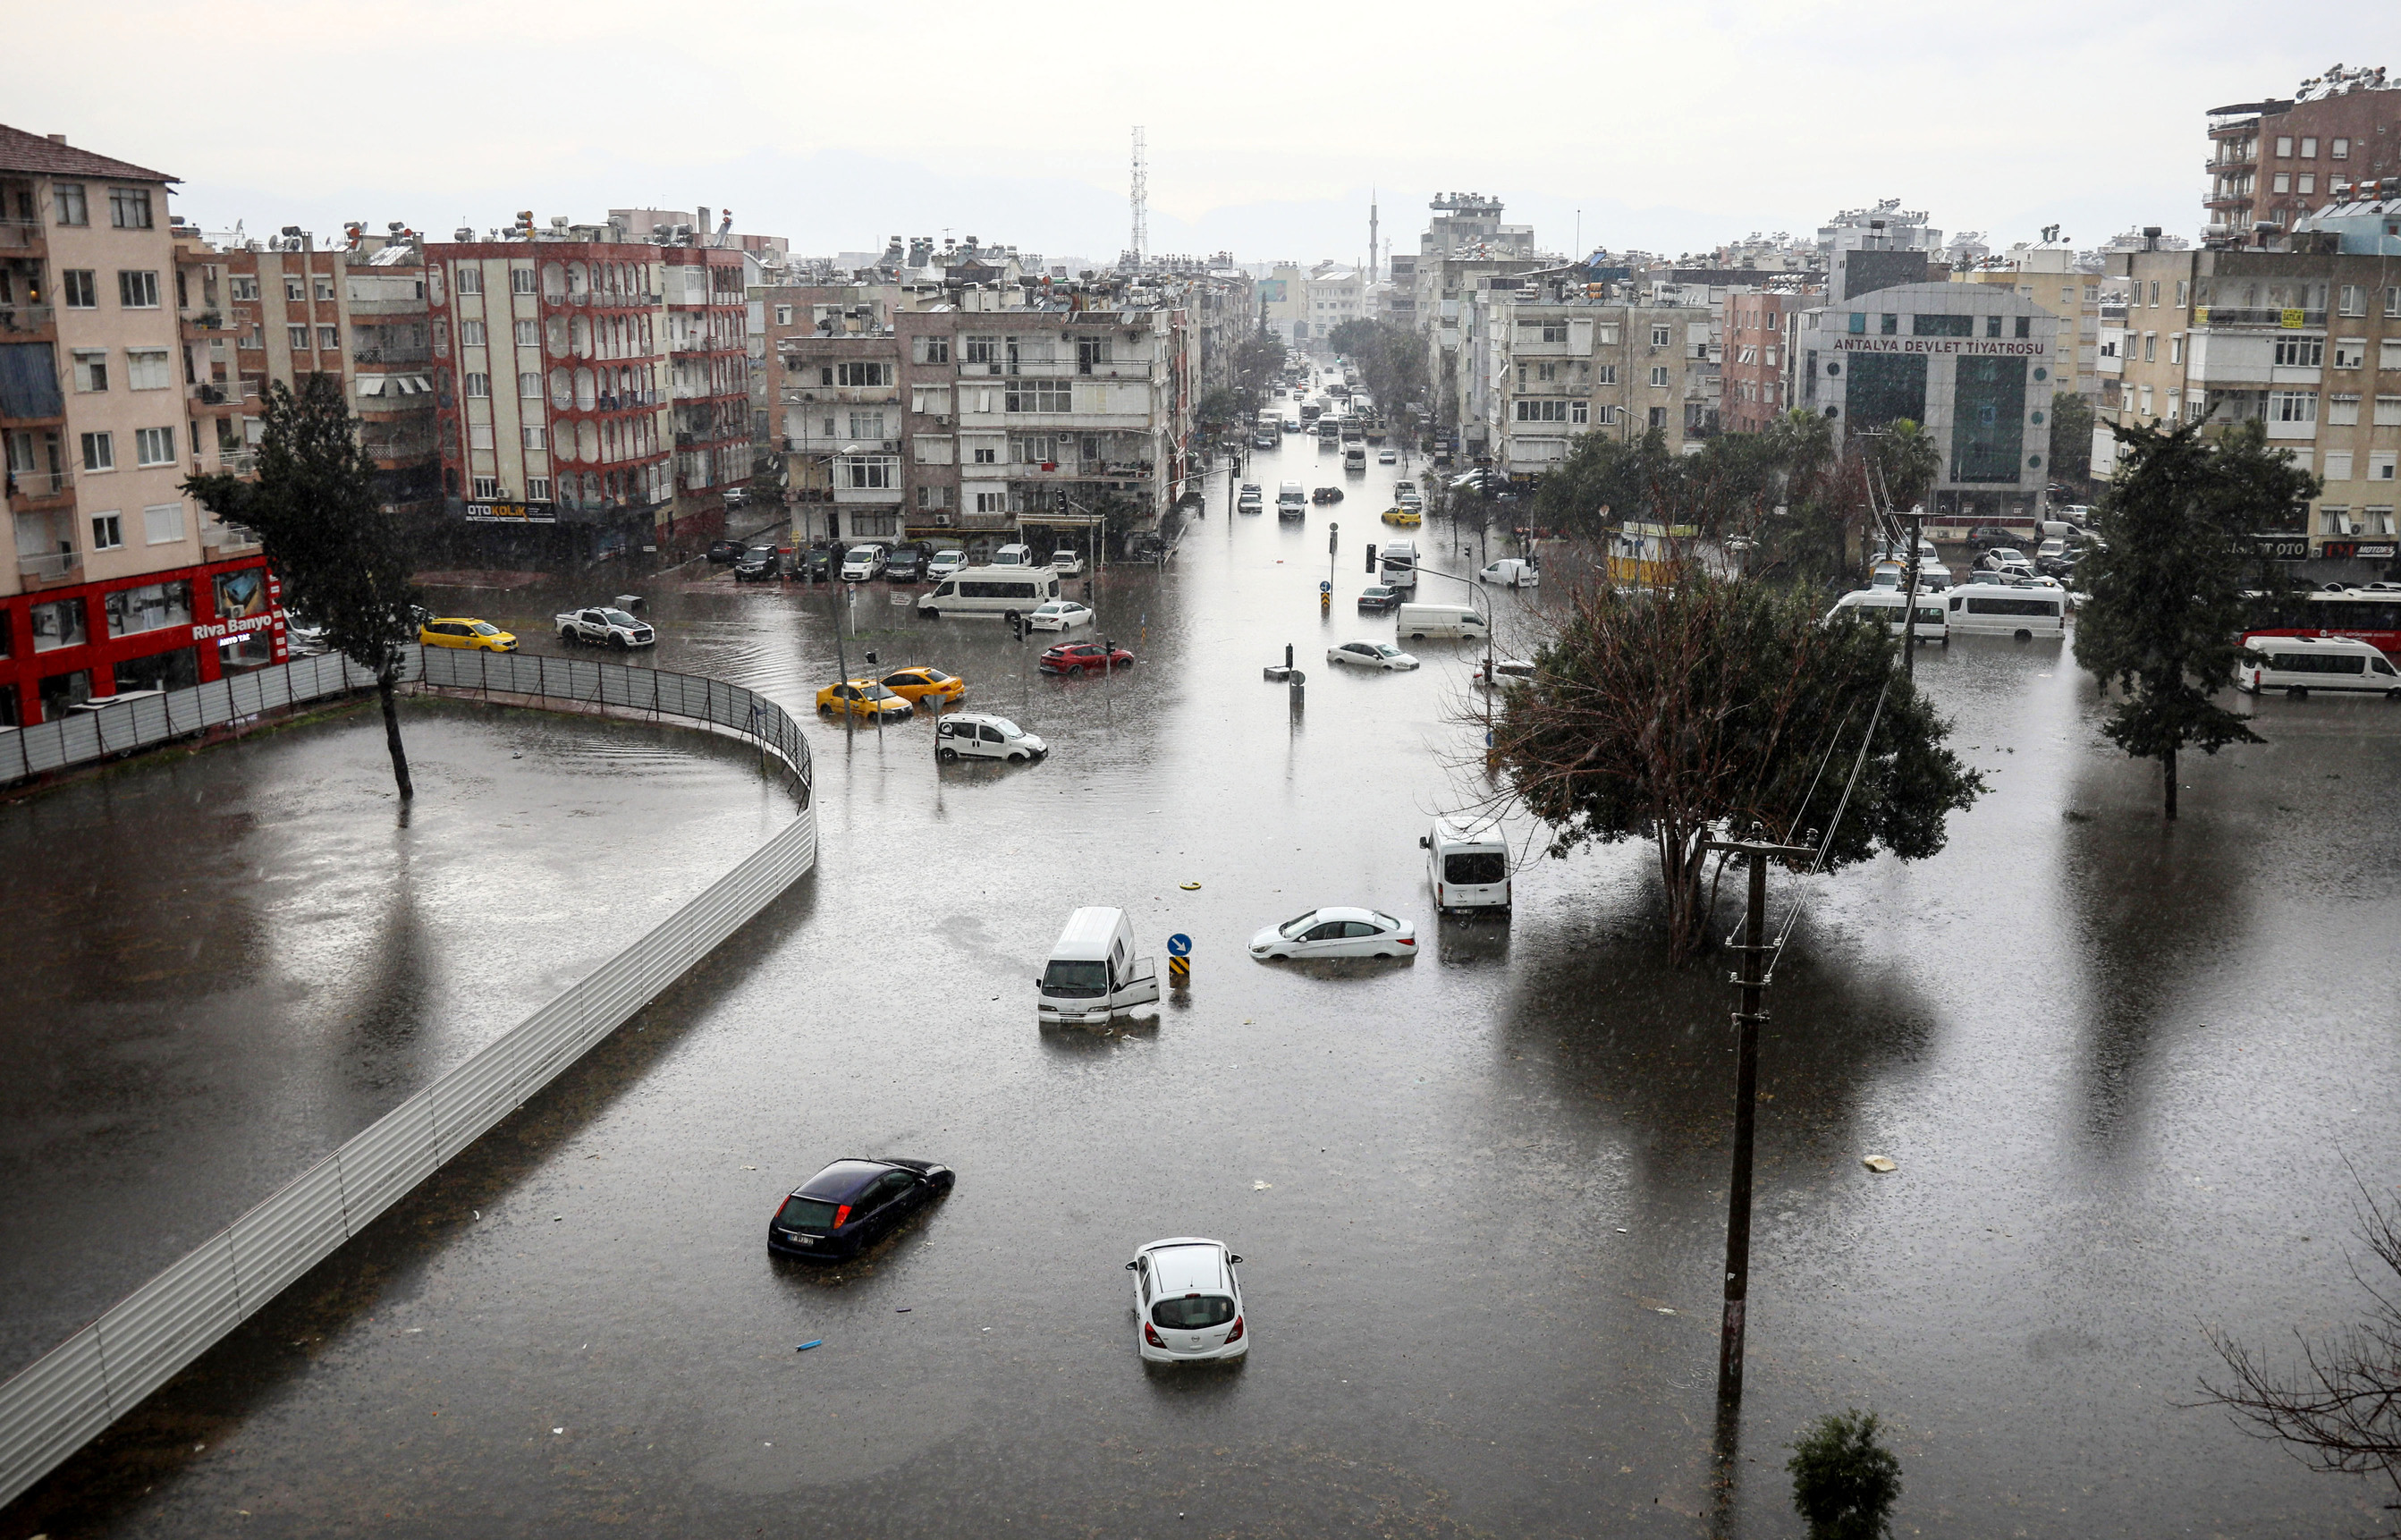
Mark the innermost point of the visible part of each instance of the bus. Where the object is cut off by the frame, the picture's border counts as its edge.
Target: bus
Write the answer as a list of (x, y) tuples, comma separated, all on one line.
[(2371, 612)]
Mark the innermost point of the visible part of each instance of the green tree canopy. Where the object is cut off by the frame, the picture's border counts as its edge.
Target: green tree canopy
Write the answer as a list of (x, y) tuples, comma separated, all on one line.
[(2170, 580), (1709, 705), (337, 550), (1844, 1481)]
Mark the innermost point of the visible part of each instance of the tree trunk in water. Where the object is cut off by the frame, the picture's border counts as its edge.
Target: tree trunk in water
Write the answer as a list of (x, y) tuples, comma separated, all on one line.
[(387, 678), (1679, 868), (2168, 761)]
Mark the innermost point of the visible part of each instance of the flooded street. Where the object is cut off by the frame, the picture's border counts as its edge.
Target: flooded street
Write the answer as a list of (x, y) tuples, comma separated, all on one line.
[(1480, 1194)]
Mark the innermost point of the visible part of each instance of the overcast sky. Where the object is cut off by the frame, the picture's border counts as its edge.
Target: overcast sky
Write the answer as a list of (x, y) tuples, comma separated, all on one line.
[(1669, 127)]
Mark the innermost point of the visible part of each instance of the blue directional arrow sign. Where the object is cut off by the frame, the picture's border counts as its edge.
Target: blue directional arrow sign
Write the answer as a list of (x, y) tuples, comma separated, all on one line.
[(1325, 587), (1179, 945)]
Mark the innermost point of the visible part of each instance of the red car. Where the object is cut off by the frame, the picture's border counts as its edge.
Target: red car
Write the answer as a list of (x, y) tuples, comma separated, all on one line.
[(1084, 657)]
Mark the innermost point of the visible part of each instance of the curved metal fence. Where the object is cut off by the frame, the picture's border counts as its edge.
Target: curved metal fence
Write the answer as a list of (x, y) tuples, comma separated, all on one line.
[(101, 732), (67, 1397)]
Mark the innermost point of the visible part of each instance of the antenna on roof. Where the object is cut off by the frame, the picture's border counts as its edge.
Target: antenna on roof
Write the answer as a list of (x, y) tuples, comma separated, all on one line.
[(1141, 198)]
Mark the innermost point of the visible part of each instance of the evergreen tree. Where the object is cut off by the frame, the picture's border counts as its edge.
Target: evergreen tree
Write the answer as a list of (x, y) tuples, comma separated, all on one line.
[(336, 547), (1844, 1482)]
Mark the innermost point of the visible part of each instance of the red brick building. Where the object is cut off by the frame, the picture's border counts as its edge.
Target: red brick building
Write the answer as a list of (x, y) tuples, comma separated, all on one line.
[(1757, 325), (2273, 162)]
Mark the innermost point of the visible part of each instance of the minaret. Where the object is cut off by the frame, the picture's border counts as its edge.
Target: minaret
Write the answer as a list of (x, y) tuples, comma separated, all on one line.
[(1371, 235)]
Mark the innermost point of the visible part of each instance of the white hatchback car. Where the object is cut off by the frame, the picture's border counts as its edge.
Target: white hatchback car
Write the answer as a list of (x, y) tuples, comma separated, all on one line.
[(1370, 654), (1189, 1301), (1067, 561), (946, 561), (1060, 614), (973, 735), (1336, 933)]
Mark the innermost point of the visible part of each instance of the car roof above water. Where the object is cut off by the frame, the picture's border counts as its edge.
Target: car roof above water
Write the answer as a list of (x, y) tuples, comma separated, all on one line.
[(1088, 934), (1188, 1264)]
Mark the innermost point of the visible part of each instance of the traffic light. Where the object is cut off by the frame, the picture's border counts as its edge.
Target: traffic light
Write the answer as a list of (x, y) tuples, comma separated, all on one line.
[(1017, 625), (1371, 558)]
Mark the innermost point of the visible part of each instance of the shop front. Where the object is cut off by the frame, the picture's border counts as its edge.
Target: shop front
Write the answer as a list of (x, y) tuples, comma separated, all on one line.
[(170, 631)]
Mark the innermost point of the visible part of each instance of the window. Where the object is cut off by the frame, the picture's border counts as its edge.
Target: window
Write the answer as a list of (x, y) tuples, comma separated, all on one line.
[(128, 208), (471, 333), (154, 446), (479, 436), (295, 293), (2349, 351), (521, 280), (58, 623), (991, 502), (2342, 410), (1658, 337), (2284, 144), (90, 366), (479, 386), (107, 531), (68, 198), (325, 290), (254, 337), (1942, 325), (1038, 396), (536, 436), (1658, 416), (2155, 292), (1604, 374), (137, 291), (530, 385), (867, 425), (81, 290), (2292, 405), (2025, 327), (1608, 415), (2308, 147), (2284, 183), (869, 473), (146, 369), (1858, 324), (856, 375), (163, 525), (537, 489), (2340, 150), (529, 333), (2175, 348), (2309, 185), (1542, 412), (2335, 521), (1886, 326), (245, 286), (152, 608), (2380, 465), (1658, 378), (99, 453), (2388, 411), (984, 454), (1092, 353), (2150, 347), (1577, 414), (471, 279)]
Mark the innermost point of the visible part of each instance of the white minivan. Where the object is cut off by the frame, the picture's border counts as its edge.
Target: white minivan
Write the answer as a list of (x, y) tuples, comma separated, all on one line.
[(1292, 501), (1440, 620), (2003, 610), (1511, 573), (1468, 864), (1013, 556), (1933, 620), (1092, 974), (2299, 665), (990, 591)]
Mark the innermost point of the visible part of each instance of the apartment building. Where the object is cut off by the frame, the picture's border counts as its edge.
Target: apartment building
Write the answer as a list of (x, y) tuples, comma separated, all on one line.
[(1335, 295), (2052, 279), (995, 411), (2307, 342), (1283, 304), (2273, 161), (709, 381), (1548, 358), (121, 583), (1758, 327), (1976, 366)]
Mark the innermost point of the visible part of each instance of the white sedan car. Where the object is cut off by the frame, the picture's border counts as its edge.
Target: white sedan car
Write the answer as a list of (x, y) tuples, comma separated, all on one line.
[(1067, 561), (1370, 654), (1189, 1301), (1336, 933), (1060, 614)]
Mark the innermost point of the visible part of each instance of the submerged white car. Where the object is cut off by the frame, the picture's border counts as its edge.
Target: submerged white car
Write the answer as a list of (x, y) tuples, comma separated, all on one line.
[(1060, 614), (1370, 654), (1336, 933), (1189, 1301), (973, 735)]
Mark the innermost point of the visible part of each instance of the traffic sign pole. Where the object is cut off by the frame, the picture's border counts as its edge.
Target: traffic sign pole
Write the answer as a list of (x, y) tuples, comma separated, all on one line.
[(1179, 961)]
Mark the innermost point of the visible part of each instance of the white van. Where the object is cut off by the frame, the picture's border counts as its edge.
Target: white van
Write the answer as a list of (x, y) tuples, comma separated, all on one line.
[(1468, 864), (1441, 619), (1932, 618), (1998, 609), (1092, 974), (2299, 665), (862, 563), (1292, 500), (1013, 556), (1355, 459), (1511, 573), (990, 591)]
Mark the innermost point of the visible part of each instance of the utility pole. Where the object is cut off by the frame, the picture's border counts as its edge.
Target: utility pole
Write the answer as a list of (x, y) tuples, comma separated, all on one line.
[(1917, 517), (1754, 983)]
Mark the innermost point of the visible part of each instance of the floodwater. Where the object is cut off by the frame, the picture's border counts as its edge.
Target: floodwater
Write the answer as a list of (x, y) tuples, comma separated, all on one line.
[(2121, 1068), (224, 964)]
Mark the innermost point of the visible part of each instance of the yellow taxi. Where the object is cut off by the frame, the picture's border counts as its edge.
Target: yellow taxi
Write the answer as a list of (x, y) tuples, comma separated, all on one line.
[(927, 687), (1403, 518), (861, 698), (475, 636)]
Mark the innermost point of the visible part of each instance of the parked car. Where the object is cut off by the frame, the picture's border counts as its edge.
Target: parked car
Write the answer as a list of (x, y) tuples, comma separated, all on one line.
[(1189, 1300), (852, 1204), (758, 564), (1067, 561), (1015, 553), (861, 563), (722, 550), (969, 735), (463, 632), (945, 561), (1327, 494), (1060, 614), (1370, 654), (604, 627), (926, 687), (1250, 499), (817, 564), (1376, 598), (1084, 657), (1984, 536), (1337, 932), (905, 565), (1511, 572), (861, 698)]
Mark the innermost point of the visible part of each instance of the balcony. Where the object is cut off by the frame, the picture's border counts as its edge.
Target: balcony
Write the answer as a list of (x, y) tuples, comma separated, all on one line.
[(2227, 315), (198, 324), (228, 538), (22, 237), (208, 396), (390, 355), (26, 319), (33, 492), (51, 571)]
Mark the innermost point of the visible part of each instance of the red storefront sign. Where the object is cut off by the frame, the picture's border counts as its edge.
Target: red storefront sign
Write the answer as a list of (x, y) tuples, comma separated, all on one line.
[(161, 630)]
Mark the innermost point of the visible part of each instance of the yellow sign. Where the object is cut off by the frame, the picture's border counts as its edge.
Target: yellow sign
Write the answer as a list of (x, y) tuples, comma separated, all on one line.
[(2291, 320), (2200, 315)]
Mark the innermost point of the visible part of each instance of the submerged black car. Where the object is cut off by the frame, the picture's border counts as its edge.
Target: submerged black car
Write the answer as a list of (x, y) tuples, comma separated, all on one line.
[(851, 1205)]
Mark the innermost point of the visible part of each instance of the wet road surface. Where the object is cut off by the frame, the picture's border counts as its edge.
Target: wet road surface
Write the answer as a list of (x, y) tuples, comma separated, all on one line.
[(1480, 1194), (224, 964)]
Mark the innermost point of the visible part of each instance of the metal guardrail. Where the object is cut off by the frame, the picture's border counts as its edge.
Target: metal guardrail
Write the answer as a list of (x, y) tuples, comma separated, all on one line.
[(89, 735), (72, 1393)]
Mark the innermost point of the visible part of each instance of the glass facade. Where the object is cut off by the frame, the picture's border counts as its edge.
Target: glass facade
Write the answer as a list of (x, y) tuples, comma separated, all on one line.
[(1886, 387), (1988, 420)]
